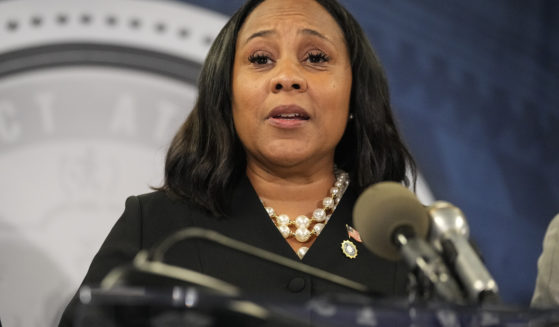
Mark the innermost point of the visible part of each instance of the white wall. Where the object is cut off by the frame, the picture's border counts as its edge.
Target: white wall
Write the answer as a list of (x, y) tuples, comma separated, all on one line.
[(75, 141)]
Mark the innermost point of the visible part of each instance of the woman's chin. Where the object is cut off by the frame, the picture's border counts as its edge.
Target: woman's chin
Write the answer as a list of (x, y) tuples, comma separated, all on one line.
[(292, 153), (287, 161), (291, 160)]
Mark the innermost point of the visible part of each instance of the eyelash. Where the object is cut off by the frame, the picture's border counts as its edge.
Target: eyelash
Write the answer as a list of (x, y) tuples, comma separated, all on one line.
[(313, 57), (258, 58), (320, 56)]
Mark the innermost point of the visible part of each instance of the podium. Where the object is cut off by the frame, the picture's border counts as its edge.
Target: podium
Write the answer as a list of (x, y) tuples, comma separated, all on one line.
[(179, 306)]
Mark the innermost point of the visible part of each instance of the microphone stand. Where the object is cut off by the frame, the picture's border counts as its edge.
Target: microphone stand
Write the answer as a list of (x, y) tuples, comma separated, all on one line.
[(432, 276)]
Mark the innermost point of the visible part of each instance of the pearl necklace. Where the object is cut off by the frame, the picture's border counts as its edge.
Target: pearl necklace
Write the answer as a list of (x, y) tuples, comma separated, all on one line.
[(319, 218)]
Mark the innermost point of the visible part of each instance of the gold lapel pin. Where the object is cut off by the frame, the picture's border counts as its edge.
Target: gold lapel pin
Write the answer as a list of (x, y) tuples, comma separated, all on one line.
[(348, 247)]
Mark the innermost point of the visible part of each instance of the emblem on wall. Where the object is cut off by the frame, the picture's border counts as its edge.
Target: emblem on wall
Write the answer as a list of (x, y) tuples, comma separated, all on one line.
[(91, 93)]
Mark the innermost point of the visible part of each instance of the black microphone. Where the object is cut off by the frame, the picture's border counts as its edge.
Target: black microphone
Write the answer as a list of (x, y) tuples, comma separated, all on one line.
[(148, 265), (393, 224), (157, 255), (149, 268), (449, 234)]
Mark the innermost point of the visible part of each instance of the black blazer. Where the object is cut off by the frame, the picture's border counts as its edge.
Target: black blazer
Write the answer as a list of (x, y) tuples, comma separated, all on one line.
[(150, 218)]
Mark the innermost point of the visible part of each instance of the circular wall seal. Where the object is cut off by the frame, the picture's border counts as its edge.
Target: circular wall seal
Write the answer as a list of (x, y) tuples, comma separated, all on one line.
[(91, 93)]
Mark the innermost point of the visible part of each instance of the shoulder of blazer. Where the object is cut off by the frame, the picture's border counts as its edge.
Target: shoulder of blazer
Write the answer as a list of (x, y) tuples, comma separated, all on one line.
[(157, 201), (159, 211)]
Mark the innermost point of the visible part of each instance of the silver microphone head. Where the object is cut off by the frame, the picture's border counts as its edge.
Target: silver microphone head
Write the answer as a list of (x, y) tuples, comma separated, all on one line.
[(449, 226), (446, 219)]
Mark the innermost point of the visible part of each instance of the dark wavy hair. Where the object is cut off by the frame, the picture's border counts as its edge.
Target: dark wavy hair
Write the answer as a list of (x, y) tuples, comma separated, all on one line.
[(206, 158)]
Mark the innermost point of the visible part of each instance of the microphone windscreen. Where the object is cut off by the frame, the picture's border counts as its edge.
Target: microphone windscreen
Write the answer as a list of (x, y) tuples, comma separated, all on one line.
[(380, 210)]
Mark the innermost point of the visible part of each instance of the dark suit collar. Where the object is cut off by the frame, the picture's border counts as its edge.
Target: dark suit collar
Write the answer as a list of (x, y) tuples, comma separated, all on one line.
[(248, 210)]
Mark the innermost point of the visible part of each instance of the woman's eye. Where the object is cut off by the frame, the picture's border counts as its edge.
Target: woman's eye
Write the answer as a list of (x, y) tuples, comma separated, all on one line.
[(317, 57), (259, 59)]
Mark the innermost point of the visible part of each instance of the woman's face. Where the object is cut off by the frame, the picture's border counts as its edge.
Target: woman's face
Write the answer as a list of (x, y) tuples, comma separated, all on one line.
[(291, 84)]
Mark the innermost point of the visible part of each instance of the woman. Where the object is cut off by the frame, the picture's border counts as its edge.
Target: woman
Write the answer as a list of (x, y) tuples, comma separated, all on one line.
[(293, 105)]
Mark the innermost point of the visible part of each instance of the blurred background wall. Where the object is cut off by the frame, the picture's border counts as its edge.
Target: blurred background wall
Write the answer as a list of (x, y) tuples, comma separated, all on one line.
[(92, 92)]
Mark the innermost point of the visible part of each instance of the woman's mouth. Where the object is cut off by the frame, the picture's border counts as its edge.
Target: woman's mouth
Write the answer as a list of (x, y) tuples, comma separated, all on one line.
[(288, 116), (291, 111), (291, 116)]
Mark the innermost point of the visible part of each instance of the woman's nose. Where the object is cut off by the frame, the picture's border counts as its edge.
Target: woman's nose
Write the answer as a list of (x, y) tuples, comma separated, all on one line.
[(288, 77)]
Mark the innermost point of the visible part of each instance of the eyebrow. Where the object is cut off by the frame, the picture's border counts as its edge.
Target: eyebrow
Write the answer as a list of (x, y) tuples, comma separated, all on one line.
[(307, 31), (312, 32), (260, 34)]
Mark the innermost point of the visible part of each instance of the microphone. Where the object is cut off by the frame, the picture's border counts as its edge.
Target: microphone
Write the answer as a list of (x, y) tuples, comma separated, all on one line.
[(202, 292), (393, 224), (449, 235), (157, 255), (149, 265)]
